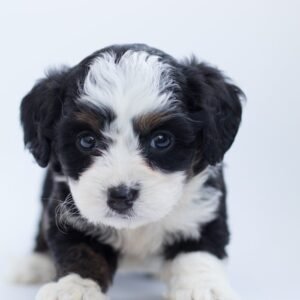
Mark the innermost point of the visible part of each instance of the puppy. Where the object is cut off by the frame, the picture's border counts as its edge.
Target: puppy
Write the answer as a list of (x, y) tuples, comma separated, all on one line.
[(133, 141)]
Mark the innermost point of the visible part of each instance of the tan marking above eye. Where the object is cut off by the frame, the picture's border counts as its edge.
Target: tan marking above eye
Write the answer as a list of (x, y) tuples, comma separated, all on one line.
[(147, 122), (89, 118)]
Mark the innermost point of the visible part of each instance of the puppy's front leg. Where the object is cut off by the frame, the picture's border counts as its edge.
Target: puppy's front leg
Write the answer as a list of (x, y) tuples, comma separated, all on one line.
[(197, 276), (85, 268)]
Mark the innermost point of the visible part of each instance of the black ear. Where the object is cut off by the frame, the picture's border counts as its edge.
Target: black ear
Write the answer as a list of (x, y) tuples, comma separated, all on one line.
[(215, 105), (40, 110)]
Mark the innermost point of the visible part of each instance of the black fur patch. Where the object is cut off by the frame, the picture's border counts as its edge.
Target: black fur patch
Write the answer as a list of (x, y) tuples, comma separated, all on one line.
[(74, 161), (177, 158)]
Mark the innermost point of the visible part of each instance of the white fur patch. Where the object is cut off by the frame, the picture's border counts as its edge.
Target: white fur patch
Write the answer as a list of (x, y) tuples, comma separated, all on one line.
[(71, 287), (197, 276), (137, 83), (35, 268), (60, 178)]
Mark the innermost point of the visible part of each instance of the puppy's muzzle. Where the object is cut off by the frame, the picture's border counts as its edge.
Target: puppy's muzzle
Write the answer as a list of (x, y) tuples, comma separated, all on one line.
[(121, 198)]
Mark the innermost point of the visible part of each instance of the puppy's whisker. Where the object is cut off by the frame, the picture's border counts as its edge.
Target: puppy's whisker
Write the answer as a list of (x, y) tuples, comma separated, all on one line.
[(64, 211)]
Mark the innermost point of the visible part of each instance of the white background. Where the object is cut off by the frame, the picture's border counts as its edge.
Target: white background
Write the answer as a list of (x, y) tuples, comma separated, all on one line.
[(257, 43)]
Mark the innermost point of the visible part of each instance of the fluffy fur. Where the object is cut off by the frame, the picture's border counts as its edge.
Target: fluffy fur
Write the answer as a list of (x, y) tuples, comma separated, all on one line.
[(197, 276), (34, 268), (133, 120), (71, 287)]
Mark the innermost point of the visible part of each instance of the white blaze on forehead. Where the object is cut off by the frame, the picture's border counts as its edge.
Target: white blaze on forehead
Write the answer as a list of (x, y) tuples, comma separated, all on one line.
[(137, 83)]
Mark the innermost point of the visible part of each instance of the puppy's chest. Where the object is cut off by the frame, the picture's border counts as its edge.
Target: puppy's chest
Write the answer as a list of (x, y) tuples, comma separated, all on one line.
[(141, 242)]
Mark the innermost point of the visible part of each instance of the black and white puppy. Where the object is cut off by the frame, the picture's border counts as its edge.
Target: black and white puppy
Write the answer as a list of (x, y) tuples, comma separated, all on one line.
[(133, 141)]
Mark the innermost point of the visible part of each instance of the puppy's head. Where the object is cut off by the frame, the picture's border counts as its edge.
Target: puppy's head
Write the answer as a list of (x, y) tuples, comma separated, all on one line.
[(129, 127)]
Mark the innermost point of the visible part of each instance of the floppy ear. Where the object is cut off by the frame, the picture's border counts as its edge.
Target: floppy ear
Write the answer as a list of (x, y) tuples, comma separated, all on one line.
[(215, 105), (40, 110)]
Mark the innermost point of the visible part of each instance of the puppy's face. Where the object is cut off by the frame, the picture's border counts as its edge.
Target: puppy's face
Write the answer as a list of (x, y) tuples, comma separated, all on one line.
[(128, 146), (129, 134)]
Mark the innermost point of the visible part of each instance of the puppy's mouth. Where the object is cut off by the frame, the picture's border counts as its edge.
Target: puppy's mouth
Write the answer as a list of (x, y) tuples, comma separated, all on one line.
[(128, 219), (125, 214)]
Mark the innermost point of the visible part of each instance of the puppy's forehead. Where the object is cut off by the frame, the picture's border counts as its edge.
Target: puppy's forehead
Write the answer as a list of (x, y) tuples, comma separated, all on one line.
[(134, 84)]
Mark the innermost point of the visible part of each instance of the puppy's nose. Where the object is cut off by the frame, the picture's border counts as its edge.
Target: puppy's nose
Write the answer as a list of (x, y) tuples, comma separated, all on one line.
[(121, 198)]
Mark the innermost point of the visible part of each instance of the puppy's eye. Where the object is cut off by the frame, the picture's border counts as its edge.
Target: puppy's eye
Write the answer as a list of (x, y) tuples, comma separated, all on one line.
[(162, 140), (87, 141)]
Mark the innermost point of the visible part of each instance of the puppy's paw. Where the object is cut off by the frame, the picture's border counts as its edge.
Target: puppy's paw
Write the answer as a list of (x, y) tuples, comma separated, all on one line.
[(34, 268), (71, 287), (197, 276)]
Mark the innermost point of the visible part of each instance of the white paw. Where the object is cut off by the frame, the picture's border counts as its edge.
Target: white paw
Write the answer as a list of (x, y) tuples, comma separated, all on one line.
[(197, 276), (34, 268), (71, 287)]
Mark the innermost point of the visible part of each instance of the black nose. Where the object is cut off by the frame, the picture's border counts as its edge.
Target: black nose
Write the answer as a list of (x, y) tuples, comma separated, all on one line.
[(121, 198)]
